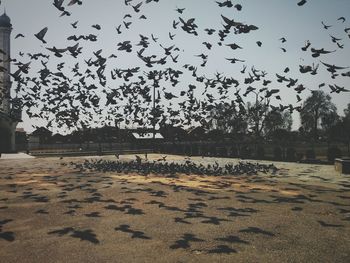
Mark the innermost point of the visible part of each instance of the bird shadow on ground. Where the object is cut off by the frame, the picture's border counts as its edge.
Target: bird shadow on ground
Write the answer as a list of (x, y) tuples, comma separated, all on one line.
[(35, 197), (93, 214), (134, 211), (324, 224), (299, 199), (118, 208), (256, 230), (232, 239), (41, 211), (222, 249), (214, 220), (184, 242), (83, 235), (8, 236), (248, 199), (181, 220), (134, 234), (238, 211), (297, 208)]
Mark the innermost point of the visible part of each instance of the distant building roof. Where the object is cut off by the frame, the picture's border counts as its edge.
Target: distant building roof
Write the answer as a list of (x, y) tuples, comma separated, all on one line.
[(5, 21), (147, 135), (41, 131)]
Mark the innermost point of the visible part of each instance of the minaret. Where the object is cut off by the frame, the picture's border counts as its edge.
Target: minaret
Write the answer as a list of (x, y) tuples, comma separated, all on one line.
[(9, 116), (5, 56)]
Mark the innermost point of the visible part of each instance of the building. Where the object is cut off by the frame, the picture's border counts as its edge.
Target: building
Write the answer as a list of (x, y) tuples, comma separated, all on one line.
[(10, 112)]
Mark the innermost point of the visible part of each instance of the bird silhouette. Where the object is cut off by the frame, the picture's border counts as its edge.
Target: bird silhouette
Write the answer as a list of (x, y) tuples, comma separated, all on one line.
[(341, 19), (74, 25), (307, 45), (180, 10), (301, 3), (73, 2), (19, 35), (41, 34), (58, 4), (282, 39), (137, 7), (325, 26)]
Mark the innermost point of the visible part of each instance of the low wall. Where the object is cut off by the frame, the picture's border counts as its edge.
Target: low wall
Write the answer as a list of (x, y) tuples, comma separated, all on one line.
[(342, 165)]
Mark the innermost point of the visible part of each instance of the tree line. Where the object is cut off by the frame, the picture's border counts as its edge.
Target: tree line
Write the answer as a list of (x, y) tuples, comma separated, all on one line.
[(259, 121)]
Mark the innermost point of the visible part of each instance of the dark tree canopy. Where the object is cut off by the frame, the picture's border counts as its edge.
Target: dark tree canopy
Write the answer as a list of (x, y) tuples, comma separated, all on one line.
[(316, 108)]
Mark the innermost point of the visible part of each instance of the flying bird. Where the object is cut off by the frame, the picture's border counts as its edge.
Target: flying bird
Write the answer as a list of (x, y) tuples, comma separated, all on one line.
[(127, 24), (321, 85), (337, 89), (325, 26), (301, 3), (74, 25), (58, 4), (341, 19), (73, 2), (208, 45), (171, 36), (118, 29), (307, 45), (96, 26), (226, 3), (318, 52), (238, 7), (180, 10), (19, 35), (234, 60), (333, 68), (234, 46), (282, 39), (65, 13), (334, 39), (137, 7), (209, 31), (41, 34)]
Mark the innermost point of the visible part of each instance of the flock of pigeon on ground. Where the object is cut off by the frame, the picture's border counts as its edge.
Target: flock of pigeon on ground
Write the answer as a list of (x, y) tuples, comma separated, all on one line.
[(74, 99), (161, 166)]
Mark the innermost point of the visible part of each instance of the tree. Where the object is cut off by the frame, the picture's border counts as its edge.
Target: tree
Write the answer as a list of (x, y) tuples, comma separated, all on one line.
[(229, 118), (315, 108), (341, 130), (257, 113), (346, 126), (347, 112), (276, 120), (328, 121)]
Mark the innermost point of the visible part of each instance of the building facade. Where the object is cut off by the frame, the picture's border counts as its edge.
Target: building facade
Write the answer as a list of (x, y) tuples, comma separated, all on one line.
[(10, 114)]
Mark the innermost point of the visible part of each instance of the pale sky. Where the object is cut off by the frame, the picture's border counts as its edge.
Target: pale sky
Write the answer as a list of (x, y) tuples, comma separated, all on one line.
[(275, 19)]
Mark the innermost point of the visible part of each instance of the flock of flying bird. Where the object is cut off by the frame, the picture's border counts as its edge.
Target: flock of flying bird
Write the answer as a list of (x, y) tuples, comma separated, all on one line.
[(74, 99)]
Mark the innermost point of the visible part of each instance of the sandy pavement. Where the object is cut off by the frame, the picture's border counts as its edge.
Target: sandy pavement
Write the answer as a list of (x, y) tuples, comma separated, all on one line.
[(50, 212)]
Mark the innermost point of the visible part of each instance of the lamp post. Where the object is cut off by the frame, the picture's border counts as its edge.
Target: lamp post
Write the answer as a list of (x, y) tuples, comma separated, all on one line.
[(154, 115)]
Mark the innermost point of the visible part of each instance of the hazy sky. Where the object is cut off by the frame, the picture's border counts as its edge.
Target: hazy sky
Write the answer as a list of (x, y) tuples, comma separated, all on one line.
[(275, 19)]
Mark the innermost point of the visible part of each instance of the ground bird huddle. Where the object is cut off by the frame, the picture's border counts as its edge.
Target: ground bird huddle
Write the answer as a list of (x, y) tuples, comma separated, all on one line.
[(162, 167)]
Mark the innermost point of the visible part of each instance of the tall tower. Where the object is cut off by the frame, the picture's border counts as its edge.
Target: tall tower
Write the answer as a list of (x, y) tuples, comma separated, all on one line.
[(5, 67), (9, 116)]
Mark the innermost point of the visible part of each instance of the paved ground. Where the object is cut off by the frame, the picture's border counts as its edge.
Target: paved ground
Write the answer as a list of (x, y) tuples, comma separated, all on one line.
[(10, 156), (52, 213)]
